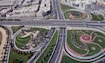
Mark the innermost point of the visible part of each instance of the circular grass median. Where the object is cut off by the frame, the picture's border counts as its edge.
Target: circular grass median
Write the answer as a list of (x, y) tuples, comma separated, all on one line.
[(74, 15), (93, 49)]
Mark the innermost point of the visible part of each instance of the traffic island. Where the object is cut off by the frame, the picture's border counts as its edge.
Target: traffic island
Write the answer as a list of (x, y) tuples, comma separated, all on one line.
[(74, 15), (85, 43), (97, 17), (46, 54), (30, 38)]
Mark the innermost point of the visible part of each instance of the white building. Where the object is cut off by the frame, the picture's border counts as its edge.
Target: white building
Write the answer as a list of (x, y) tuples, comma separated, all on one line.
[(87, 5)]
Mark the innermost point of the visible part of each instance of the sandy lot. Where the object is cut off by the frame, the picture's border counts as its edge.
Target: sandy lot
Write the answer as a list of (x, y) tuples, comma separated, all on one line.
[(3, 42)]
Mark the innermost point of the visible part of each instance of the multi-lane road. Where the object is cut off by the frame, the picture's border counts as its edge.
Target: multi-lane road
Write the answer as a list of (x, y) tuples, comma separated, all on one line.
[(58, 48), (61, 37), (56, 9), (54, 23), (60, 22)]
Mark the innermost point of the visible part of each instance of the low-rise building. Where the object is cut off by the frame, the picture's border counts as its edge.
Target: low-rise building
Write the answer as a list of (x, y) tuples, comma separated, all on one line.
[(28, 8), (4, 3), (87, 5), (25, 11)]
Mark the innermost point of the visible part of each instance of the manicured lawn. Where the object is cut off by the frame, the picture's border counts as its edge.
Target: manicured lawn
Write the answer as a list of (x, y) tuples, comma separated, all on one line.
[(71, 45), (16, 57), (99, 38), (20, 42), (66, 59), (91, 51), (78, 40), (19, 45), (100, 34), (87, 31), (77, 32), (48, 51), (102, 44), (64, 7), (97, 17), (16, 28), (93, 48)]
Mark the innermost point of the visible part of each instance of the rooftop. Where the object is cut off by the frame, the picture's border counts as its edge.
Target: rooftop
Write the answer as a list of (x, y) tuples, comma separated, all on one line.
[(6, 2)]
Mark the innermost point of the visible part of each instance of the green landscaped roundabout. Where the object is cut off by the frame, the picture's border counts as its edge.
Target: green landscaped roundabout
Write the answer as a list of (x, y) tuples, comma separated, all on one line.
[(34, 36), (28, 39), (85, 44), (74, 14)]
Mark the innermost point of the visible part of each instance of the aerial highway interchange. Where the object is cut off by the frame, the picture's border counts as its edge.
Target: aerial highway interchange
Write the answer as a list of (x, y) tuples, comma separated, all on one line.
[(38, 40)]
